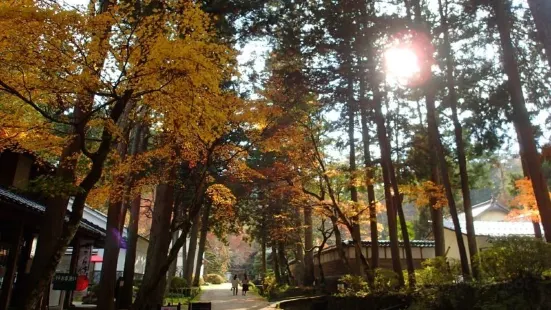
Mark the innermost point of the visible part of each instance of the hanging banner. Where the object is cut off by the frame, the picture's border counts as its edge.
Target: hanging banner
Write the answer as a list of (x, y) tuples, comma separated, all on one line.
[(83, 267), (84, 256)]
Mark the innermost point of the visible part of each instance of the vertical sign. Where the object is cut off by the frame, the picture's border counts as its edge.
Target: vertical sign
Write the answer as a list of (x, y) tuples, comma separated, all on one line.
[(83, 263)]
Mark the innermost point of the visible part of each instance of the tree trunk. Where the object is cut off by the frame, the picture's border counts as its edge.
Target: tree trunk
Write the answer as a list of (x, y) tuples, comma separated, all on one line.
[(284, 264), (443, 165), (405, 235), (159, 242), (521, 118), (339, 245), (202, 243), (264, 260), (172, 269), (535, 224), (275, 263), (390, 201), (155, 280), (184, 259), (370, 190), (322, 245), (108, 279), (458, 130), (190, 263), (541, 10), (308, 246), (299, 249), (130, 258), (436, 214), (355, 220)]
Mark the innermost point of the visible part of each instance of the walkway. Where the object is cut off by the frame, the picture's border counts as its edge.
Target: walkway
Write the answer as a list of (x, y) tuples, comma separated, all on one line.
[(222, 299)]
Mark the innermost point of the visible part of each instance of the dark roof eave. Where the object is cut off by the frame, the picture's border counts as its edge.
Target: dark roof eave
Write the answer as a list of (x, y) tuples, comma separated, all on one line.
[(16, 199)]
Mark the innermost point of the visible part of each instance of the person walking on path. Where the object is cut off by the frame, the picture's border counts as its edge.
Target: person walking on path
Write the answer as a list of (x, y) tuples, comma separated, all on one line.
[(245, 285), (235, 285)]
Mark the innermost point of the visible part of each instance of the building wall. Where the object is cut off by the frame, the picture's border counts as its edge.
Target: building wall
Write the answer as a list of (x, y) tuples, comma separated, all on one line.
[(492, 216), (333, 267), (450, 240), (141, 255)]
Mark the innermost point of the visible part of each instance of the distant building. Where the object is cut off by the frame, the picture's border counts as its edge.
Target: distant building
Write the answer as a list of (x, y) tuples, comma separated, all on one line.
[(490, 221), (333, 267), (100, 219)]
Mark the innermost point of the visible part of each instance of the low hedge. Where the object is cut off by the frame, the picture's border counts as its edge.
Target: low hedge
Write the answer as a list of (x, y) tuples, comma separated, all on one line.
[(521, 293)]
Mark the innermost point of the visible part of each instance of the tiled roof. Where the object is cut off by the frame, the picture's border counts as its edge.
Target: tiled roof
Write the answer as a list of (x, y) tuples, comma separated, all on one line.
[(386, 243), (20, 200), (495, 229), (99, 219), (480, 208), (33, 206)]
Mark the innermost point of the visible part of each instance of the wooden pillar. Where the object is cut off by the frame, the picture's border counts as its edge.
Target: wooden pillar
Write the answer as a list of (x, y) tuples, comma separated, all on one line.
[(72, 269), (23, 269), (9, 277)]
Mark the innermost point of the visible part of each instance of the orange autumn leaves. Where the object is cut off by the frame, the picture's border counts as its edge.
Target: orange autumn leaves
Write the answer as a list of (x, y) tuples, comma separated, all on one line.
[(424, 194), (526, 201)]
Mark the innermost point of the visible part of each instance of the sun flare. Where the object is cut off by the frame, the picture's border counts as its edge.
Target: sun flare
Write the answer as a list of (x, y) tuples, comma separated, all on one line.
[(401, 64)]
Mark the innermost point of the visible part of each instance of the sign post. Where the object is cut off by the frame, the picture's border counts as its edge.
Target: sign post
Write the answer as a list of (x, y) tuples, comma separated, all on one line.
[(64, 282)]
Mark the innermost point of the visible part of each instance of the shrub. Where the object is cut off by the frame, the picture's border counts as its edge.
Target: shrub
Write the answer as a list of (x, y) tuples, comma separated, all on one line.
[(178, 283), (385, 280), (353, 286), (269, 285), (438, 271), (514, 257), (214, 278)]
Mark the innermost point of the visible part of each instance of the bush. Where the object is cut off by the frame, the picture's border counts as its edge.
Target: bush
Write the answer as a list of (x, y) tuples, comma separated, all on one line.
[(353, 286), (385, 280), (438, 271), (178, 283), (269, 284), (514, 257), (214, 278)]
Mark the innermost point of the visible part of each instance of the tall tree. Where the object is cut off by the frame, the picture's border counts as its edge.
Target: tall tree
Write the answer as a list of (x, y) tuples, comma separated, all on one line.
[(308, 247), (541, 10), (425, 59), (192, 249), (458, 133), (520, 116), (159, 240)]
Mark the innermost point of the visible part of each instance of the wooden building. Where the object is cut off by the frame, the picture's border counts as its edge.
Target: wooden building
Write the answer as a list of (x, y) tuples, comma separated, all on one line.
[(20, 217), (333, 267)]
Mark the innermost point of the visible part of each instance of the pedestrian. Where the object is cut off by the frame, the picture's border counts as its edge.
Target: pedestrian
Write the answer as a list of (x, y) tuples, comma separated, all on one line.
[(245, 285), (234, 285)]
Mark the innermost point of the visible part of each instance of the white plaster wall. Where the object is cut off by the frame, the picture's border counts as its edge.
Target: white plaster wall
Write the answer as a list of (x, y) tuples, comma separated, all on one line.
[(492, 216), (141, 255)]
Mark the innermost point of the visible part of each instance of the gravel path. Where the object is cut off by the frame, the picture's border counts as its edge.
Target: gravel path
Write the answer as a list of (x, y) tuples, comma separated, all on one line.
[(222, 299)]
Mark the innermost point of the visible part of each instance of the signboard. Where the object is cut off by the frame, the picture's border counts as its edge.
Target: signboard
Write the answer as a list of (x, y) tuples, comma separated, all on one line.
[(84, 256), (64, 282), (200, 306)]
